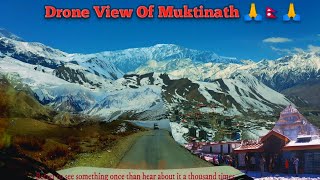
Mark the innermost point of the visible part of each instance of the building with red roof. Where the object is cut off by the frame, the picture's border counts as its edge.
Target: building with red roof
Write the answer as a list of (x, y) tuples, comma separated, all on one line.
[(292, 137)]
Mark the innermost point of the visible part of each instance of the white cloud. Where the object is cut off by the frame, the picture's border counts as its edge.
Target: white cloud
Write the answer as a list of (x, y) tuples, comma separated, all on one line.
[(311, 48), (277, 40), (299, 50), (281, 50)]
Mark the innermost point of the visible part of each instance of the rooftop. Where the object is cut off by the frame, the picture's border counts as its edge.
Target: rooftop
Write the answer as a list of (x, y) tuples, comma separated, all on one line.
[(305, 142)]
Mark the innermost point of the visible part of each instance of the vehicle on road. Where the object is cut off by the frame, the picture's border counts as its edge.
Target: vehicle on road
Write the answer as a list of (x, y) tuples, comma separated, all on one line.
[(155, 126)]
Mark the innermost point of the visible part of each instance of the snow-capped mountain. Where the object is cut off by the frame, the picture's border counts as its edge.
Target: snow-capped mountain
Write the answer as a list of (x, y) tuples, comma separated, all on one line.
[(145, 96), (242, 94), (297, 76), (7, 34), (32, 53), (238, 95), (130, 59), (115, 99), (288, 71), (143, 103), (95, 84), (92, 72), (278, 74)]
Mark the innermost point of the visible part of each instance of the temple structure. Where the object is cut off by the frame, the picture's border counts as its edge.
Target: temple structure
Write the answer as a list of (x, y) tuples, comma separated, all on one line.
[(292, 137), (292, 124)]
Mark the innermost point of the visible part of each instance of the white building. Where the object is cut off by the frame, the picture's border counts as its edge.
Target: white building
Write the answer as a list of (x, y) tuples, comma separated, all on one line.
[(220, 147)]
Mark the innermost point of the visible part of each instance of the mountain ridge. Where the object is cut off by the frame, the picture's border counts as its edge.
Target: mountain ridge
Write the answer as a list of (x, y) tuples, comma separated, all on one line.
[(97, 83), (159, 52)]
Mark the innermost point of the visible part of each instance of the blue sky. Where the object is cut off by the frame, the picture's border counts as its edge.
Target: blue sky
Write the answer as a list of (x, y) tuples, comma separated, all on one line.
[(234, 38)]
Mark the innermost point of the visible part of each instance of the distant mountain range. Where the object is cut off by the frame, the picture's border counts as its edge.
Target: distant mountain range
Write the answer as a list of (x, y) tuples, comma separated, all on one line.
[(289, 72), (130, 59), (149, 82)]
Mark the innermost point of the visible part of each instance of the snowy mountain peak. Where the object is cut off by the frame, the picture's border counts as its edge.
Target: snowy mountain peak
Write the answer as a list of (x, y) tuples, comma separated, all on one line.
[(31, 52), (129, 60), (93, 72), (302, 59), (7, 34), (95, 84)]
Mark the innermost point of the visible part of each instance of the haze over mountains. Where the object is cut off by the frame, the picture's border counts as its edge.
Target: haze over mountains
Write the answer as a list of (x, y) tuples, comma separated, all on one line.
[(149, 82)]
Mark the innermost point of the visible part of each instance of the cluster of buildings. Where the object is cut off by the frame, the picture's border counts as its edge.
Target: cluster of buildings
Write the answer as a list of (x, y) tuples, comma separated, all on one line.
[(202, 124), (292, 137)]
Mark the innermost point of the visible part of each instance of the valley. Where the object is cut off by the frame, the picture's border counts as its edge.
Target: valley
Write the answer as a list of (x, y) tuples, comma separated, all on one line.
[(70, 110)]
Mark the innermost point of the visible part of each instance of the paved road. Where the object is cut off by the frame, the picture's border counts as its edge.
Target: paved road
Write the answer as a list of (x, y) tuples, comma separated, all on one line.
[(158, 150)]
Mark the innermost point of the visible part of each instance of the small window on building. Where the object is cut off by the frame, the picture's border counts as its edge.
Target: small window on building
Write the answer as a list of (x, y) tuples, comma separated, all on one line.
[(303, 139)]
